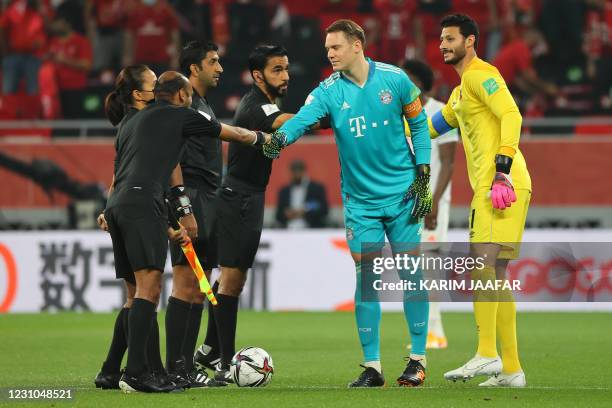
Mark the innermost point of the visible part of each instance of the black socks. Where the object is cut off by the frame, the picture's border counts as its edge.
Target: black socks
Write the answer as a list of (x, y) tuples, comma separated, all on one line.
[(177, 316), (118, 344), (191, 334), (226, 317), (140, 322), (212, 339)]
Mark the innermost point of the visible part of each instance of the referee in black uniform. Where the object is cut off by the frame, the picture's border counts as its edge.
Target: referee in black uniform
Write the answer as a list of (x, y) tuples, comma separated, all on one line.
[(148, 149), (193, 190), (240, 205), (133, 91)]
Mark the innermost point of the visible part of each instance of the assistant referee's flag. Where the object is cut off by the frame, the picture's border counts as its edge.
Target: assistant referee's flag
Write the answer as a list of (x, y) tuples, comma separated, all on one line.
[(192, 258)]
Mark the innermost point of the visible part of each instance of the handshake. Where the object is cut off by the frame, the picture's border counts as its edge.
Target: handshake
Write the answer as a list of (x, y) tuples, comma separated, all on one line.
[(277, 142)]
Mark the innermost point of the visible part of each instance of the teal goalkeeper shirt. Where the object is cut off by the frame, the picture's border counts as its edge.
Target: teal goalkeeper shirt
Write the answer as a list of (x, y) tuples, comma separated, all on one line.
[(377, 165)]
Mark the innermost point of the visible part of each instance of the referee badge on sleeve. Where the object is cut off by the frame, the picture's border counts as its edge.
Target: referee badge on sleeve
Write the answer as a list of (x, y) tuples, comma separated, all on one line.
[(270, 108)]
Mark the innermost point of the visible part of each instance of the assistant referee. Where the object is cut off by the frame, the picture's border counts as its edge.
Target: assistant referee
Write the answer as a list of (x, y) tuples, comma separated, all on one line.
[(240, 205), (148, 149), (194, 185)]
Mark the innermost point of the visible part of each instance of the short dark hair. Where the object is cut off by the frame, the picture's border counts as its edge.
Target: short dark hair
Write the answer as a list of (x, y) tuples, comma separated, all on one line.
[(467, 25), (262, 53), (193, 53), (350, 28), (422, 72), (166, 88)]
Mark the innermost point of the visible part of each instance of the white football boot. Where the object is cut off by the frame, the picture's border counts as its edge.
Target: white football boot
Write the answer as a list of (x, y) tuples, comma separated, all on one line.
[(476, 366), (506, 380)]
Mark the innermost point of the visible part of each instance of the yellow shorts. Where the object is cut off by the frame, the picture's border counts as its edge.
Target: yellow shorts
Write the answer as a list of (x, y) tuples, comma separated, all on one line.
[(505, 227)]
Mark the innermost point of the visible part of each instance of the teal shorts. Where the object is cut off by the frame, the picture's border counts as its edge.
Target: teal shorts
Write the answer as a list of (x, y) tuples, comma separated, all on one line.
[(366, 228)]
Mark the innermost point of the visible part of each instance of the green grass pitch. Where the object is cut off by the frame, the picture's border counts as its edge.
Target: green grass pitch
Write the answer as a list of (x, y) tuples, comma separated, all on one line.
[(567, 358)]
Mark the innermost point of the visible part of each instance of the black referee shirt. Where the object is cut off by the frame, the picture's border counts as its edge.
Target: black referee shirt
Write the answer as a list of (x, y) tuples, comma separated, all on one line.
[(248, 169), (149, 145), (128, 115), (202, 162)]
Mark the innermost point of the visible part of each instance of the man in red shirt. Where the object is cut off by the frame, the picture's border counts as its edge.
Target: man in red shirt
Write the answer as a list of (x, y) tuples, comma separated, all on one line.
[(398, 31), (71, 54), (22, 38), (514, 64), (152, 36), (104, 22)]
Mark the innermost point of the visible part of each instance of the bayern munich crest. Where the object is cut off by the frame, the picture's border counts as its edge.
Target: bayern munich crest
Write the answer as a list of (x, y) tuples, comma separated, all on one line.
[(385, 96)]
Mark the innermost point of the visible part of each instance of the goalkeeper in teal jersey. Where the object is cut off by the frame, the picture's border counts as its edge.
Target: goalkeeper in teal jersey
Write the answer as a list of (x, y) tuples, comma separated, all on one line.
[(385, 187)]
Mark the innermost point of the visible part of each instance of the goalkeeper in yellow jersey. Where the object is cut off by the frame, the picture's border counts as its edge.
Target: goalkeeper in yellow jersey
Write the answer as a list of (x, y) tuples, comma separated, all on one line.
[(490, 122)]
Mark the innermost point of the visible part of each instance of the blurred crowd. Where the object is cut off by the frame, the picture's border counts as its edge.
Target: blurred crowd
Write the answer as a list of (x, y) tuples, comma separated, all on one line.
[(60, 57)]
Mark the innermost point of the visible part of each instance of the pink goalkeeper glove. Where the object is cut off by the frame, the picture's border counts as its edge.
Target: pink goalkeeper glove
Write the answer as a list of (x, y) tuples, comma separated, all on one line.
[(502, 191)]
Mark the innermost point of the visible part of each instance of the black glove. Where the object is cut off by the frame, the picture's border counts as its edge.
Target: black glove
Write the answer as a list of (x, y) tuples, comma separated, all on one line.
[(419, 190)]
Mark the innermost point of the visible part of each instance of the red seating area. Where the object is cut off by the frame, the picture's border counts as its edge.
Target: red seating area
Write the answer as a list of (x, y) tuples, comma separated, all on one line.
[(396, 29)]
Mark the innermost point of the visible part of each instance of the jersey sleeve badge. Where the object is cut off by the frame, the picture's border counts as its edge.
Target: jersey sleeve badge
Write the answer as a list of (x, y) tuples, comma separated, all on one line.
[(490, 85)]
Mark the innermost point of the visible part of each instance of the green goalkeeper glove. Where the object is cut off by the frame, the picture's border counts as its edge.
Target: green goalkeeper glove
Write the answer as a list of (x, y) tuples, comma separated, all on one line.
[(419, 190), (277, 143)]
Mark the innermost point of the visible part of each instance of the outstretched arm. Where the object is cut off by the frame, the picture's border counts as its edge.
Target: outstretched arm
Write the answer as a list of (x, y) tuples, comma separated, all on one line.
[(241, 135), (200, 125), (313, 110)]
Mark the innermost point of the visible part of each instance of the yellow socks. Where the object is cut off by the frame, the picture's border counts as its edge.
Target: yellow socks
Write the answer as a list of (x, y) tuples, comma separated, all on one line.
[(485, 312), (506, 331)]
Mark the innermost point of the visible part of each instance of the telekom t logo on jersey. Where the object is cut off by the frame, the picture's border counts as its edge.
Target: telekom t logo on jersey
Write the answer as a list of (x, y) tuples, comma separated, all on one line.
[(357, 125)]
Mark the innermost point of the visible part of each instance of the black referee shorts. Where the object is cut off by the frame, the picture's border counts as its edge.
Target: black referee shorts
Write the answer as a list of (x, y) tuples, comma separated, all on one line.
[(139, 230), (240, 221), (205, 213)]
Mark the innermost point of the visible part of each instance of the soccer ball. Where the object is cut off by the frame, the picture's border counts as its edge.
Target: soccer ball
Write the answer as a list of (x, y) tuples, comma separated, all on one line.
[(252, 367)]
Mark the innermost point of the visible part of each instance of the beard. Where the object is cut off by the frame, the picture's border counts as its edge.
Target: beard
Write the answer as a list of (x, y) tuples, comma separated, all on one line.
[(458, 55), (276, 91)]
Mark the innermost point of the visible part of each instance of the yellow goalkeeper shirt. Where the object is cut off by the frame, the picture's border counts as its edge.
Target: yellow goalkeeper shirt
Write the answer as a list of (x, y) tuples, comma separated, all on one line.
[(490, 122)]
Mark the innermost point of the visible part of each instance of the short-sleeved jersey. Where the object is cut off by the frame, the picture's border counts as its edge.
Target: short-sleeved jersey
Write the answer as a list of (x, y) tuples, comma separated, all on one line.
[(149, 145), (247, 168), (477, 107), (377, 165), (202, 162)]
